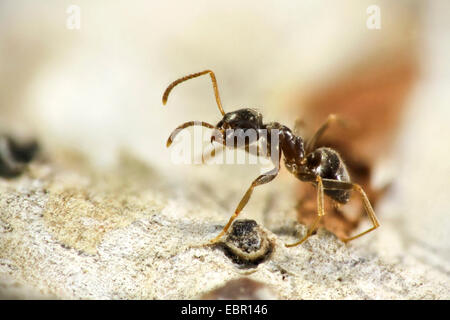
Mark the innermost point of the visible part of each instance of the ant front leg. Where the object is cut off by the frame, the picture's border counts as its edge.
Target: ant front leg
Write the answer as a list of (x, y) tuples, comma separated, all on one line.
[(262, 179), (320, 213), (330, 184)]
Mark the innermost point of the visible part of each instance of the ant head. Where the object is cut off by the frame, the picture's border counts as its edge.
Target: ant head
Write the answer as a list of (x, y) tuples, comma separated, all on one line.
[(239, 127), (241, 119)]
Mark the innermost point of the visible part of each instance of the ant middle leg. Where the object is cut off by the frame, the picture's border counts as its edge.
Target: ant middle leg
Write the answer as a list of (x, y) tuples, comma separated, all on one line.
[(320, 213)]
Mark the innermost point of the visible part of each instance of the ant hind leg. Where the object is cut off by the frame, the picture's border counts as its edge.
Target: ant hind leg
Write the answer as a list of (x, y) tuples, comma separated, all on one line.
[(208, 155), (330, 184)]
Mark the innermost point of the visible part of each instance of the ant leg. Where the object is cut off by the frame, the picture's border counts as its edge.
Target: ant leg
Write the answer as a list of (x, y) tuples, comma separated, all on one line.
[(185, 125), (311, 145), (191, 76), (330, 184), (320, 213), (262, 179)]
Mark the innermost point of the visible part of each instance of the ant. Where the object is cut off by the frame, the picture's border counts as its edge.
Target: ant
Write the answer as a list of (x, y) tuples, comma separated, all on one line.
[(323, 167)]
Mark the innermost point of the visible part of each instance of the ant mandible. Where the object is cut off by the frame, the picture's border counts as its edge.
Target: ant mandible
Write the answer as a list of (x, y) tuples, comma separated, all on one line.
[(323, 167)]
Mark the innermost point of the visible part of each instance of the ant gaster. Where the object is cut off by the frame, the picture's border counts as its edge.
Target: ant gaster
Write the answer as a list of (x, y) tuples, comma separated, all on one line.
[(323, 167)]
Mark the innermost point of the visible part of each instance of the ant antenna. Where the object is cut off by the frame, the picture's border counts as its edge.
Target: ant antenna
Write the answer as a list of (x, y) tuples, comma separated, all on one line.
[(191, 76)]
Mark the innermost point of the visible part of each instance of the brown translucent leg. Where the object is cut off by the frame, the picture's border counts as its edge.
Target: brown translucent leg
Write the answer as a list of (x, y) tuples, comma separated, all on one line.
[(320, 214), (332, 118), (195, 75), (262, 179), (340, 185), (184, 126)]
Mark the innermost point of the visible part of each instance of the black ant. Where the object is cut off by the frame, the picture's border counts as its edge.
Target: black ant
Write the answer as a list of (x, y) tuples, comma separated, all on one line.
[(323, 167)]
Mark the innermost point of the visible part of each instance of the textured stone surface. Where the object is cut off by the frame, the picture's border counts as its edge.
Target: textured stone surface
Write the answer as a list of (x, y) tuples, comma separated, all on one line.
[(76, 233)]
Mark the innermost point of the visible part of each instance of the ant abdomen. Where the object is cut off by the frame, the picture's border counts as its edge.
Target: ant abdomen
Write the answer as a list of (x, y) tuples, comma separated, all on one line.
[(328, 164)]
